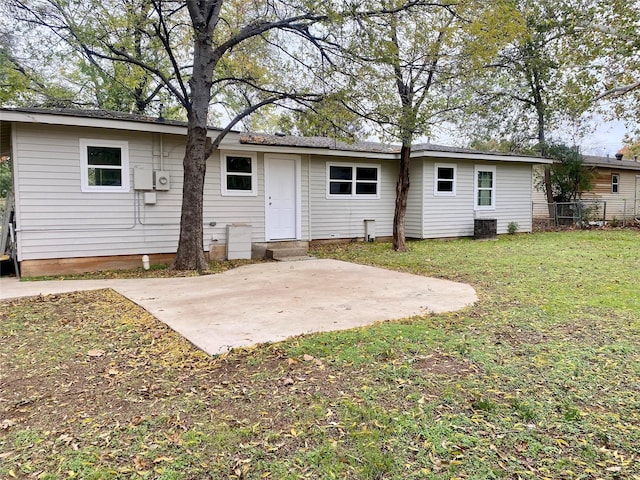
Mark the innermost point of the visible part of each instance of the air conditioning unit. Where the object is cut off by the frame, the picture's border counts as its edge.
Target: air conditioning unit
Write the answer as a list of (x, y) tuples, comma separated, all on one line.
[(163, 181)]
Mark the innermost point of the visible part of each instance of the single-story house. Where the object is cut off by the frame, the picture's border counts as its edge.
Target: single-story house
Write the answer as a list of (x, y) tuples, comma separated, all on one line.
[(616, 189), (98, 189)]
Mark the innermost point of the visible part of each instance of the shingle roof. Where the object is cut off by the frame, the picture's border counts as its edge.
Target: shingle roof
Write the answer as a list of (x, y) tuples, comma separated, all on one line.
[(610, 162), (100, 114), (316, 142), (371, 147)]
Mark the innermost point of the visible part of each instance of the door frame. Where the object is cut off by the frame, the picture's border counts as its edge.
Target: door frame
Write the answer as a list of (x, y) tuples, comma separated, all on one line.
[(297, 163)]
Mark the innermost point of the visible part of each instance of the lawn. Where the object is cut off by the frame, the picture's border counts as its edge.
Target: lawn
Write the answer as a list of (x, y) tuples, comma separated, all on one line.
[(540, 379)]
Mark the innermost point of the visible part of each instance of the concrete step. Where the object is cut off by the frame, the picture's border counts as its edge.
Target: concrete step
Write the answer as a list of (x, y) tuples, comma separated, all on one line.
[(283, 253)]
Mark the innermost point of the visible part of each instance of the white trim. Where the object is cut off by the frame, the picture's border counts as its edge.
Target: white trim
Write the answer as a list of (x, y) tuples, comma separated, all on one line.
[(17, 203), (298, 191), (353, 196), (616, 183), (85, 143), (437, 193), (478, 169), (224, 191)]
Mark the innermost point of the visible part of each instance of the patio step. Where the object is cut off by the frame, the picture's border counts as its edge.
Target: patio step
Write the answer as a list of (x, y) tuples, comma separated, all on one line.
[(286, 253)]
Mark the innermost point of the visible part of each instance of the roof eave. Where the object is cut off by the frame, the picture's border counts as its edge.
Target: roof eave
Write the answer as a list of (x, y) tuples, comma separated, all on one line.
[(489, 157)]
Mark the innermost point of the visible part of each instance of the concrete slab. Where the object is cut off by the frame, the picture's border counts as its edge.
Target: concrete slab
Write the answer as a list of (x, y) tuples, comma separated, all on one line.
[(268, 302)]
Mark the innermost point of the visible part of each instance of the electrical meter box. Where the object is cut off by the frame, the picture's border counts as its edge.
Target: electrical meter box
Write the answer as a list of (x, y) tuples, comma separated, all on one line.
[(163, 181)]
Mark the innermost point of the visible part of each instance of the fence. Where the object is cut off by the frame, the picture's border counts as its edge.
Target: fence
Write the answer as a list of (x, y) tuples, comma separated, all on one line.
[(587, 211)]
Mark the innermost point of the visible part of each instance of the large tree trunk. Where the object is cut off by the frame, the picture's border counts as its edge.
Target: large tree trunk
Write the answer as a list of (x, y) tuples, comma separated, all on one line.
[(190, 255), (542, 142), (402, 193)]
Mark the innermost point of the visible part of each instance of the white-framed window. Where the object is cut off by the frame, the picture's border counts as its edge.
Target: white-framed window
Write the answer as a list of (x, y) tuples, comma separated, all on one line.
[(104, 165), (239, 174), (444, 183), (485, 188), (346, 180), (615, 183)]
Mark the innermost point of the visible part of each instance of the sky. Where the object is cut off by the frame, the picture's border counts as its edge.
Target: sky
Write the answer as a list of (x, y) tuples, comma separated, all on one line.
[(606, 139)]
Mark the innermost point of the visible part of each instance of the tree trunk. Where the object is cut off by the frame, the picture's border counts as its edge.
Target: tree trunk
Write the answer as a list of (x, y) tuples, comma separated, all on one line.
[(542, 141), (190, 254), (402, 193)]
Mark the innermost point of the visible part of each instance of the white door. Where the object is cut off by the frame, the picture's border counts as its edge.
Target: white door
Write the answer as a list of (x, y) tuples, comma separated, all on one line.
[(281, 191)]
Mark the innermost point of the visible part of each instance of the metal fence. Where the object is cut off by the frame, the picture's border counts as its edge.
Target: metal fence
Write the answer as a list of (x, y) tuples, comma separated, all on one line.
[(587, 212)]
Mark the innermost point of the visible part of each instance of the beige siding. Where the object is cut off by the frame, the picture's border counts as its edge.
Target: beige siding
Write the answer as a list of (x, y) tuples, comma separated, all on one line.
[(338, 218), (446, 216), (621, 205)]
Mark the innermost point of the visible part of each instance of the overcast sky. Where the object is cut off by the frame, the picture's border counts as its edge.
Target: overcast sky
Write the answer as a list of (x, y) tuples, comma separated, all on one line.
[(606, 140)]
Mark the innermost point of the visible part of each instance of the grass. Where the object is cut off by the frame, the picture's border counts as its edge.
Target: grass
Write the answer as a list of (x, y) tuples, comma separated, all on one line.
[(539, 379)]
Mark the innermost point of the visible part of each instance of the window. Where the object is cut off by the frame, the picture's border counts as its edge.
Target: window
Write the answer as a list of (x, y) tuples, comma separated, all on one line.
[(445, 180), (239, 174), (615, 183), (485, 188), (105, 165), (353, 181)]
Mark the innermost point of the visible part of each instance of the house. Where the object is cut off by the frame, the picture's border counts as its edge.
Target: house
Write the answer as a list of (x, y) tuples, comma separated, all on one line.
[(100, 189), (616, 189)]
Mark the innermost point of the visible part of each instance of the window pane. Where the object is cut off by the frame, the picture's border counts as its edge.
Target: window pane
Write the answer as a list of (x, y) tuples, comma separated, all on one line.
[(485, 179), (104, 156), (104, 177), (445, 186), (239, 165), (340, 173), (366, 173), (366, 188), (340, 188), (239, 182), (484, 198), (445, 173)]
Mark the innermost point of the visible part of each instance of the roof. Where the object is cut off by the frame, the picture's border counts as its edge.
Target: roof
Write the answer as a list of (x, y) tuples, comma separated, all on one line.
[(418, 150), (608, 162), (267, 142)]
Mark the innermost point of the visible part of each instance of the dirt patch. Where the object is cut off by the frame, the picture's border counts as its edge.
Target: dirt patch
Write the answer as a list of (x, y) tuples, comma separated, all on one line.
[(519, 337), (441, 364)]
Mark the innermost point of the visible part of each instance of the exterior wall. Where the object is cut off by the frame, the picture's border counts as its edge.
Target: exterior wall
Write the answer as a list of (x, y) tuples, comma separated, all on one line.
[(622, 205), (344, 218), (453, 216), (55, 219), (414, 218)]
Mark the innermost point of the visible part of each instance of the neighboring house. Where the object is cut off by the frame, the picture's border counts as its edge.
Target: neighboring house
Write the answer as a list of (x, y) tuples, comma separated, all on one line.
[(616, 188), (98, 190)]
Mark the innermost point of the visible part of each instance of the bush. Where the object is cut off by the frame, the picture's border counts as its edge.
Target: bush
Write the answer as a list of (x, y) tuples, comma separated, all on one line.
[(512, 228)]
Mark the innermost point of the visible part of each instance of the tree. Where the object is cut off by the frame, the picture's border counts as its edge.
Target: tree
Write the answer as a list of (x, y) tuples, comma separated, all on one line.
[(538, 81), (408, 67), (613, 33), (570, 178)]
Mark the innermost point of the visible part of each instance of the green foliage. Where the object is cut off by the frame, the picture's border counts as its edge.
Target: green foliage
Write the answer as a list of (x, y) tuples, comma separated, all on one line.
[(327, 118), (6, 180), (512, 228), (569, 176), (537, 82)]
